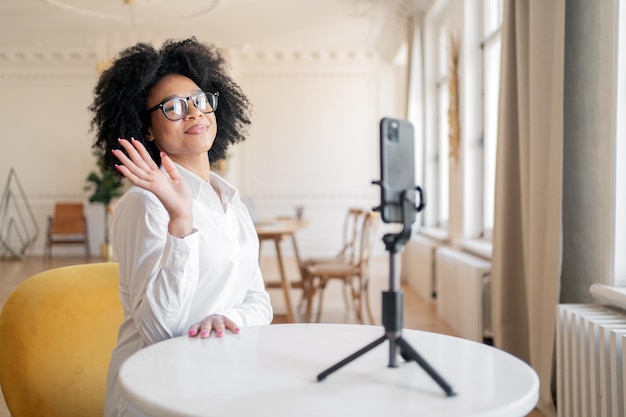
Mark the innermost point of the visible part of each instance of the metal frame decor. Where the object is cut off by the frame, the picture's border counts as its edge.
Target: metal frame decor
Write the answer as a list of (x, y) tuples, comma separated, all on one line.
[(18, 225)]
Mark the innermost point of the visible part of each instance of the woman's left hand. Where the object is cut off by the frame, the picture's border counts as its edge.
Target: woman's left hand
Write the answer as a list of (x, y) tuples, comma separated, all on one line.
[(213, 322)]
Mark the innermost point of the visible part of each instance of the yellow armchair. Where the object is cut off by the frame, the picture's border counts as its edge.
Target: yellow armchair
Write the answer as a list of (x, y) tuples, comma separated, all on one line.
[(57, 331)]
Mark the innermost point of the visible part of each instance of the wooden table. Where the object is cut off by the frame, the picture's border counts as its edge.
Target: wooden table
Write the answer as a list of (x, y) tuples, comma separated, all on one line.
[(276, 230), (271, 371)]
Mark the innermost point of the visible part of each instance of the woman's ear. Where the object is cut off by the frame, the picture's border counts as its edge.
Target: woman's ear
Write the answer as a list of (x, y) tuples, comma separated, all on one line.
[(149, 136)]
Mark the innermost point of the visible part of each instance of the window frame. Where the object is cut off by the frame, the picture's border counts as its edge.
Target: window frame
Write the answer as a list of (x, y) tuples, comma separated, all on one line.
[(436, 213), (491, 36)]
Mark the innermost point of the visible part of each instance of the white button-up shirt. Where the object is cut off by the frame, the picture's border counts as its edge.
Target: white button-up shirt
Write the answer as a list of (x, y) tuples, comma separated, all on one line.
[(169, 283)]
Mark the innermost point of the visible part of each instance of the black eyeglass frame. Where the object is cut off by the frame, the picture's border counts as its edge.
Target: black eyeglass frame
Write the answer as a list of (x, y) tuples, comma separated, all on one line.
[(186, 101)]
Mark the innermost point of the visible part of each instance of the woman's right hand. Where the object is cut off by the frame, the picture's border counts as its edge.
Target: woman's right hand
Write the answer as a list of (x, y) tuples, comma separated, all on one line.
[(169, 187), (214, 322)]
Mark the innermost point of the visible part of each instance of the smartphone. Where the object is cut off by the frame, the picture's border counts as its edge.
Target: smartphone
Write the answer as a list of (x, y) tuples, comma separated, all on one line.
[(397, 168)]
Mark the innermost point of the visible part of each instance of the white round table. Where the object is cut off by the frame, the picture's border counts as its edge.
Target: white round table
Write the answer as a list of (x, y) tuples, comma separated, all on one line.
[(272, 370)]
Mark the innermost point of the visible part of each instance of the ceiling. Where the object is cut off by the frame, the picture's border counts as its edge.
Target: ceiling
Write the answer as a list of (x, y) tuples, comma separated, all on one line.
[(44, 28)]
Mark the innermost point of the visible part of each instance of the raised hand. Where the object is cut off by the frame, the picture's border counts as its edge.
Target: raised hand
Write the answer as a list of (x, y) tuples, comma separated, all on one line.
[(170, 187)]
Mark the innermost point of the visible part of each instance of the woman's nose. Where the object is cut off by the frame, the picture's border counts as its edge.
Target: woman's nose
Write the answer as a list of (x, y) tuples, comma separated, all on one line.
[(192, 110)]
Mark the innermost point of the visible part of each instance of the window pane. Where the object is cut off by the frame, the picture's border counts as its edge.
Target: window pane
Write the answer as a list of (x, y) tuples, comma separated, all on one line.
[(436, 128), (443, 149), (492, 16), (442, 51), (491, 82)]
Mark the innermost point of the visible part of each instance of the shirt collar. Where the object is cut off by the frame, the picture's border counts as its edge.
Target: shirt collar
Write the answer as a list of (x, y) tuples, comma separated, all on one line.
[(226, 190)]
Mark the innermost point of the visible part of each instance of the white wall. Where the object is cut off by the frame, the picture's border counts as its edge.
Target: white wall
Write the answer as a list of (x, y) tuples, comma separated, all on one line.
[(589, 147), (313, 141), (45, 138)]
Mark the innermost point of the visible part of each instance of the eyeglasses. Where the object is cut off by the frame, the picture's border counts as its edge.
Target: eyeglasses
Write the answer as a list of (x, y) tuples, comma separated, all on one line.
[(175, 108)]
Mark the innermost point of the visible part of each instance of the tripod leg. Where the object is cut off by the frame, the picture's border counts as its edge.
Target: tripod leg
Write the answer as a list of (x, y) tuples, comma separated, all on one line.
[(350, 358), (408, 350)]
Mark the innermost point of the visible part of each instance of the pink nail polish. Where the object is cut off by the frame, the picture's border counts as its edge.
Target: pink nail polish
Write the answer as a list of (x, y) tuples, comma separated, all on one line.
[(220, 332), (192, 332), (204, 334), (163, 154)]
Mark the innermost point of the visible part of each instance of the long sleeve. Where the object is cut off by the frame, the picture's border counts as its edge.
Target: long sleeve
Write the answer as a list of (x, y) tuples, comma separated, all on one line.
[(161, 270), (256, 308)]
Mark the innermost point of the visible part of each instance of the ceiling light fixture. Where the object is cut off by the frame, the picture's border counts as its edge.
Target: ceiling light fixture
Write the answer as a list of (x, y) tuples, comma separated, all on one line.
[(152, 11), (108, 51)]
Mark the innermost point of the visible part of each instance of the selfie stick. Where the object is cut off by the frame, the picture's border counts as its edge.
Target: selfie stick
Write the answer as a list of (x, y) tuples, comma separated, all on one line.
[(392, 310)]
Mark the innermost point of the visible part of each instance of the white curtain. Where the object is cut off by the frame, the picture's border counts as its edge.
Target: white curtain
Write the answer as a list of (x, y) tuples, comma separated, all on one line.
[(527, 230)]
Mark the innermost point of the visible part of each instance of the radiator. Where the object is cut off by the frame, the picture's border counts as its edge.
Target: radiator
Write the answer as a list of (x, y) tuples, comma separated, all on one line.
[(590, 347), (463, 293), (418, 266)]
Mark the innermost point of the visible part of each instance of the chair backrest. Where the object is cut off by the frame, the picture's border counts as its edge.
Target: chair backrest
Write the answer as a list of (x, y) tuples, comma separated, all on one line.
[(367, 237), (69, 218), (57, 331), (351, 228)]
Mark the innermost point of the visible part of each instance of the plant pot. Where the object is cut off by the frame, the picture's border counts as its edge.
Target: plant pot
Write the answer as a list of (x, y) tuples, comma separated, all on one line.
[(106, 251)]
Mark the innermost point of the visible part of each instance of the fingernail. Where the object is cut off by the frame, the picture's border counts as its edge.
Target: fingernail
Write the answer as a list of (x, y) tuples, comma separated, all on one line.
[(236, 329), (204, 334), (163, 154), (220, 332), (192, 332)]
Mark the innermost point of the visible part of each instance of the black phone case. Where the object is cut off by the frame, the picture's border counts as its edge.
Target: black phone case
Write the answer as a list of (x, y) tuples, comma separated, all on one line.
[(397, 167)]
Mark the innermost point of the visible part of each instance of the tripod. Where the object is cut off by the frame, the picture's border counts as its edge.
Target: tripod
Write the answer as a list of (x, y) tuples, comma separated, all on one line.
[(392, 308)]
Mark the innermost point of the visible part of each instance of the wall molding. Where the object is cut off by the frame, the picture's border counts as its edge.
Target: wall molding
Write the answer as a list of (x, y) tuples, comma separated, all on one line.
[(300, 56), (47, 55), (60, 57)]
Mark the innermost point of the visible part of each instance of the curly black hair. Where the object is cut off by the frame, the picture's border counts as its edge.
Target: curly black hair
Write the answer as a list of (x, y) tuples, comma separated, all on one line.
[(120, 96)]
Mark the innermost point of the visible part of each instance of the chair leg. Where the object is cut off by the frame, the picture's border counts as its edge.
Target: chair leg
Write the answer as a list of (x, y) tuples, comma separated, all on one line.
[(48, 250), (308, 292), (365, 294), (305, 283), (348, 296), (357, 301), (322, 287), (368, 307)]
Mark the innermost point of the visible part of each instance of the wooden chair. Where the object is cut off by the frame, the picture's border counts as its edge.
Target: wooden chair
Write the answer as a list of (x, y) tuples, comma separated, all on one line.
[(353, 271), (68, 226), (57, 331), (351, 224)]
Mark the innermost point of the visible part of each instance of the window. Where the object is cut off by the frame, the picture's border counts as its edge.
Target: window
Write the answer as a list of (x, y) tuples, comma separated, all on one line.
[(491, 45), (443, 141), (436, 144), (619, 260), (469, 191)]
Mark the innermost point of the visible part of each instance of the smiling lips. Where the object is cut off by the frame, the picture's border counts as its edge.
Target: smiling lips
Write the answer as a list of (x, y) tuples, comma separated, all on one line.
[(197, 129)]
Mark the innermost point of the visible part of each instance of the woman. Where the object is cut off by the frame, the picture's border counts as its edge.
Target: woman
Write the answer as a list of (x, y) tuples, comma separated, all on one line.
[(186, 246)]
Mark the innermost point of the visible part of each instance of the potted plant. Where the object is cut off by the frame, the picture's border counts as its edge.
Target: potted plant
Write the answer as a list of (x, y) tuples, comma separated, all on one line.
[(106, 185)]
